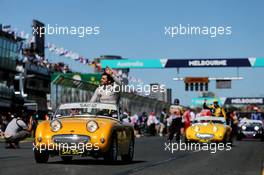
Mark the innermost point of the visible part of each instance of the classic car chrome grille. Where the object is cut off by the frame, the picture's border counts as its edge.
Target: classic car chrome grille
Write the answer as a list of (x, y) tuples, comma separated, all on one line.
[(204, 136), (249, 132), (70, 138)]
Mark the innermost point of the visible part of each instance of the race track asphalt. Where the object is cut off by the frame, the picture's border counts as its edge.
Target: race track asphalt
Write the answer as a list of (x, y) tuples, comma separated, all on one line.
[(245, 158)]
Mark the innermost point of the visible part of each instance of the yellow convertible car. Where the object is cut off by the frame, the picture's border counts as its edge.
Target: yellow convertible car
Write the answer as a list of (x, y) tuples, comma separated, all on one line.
[(84, 129), (208, 129)]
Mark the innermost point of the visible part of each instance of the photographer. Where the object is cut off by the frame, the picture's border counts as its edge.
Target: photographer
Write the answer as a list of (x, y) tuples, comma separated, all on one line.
[(17, 130)]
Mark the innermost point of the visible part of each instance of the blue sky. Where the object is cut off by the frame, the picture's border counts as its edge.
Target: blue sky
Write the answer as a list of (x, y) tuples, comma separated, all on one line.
[(135, 29)]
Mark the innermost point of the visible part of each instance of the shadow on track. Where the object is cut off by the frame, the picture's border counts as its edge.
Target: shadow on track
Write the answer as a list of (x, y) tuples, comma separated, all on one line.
[(96, 162)]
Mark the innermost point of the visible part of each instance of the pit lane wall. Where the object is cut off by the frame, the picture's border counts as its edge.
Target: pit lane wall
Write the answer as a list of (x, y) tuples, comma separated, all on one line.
[(66, 90)]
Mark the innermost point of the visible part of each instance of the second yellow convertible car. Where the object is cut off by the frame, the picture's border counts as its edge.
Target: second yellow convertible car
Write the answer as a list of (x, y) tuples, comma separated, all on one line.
[(84, 129), (208, 129)]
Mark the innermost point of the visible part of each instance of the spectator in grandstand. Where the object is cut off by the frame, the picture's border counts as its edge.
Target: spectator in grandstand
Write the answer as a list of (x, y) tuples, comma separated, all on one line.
[(42, 62)]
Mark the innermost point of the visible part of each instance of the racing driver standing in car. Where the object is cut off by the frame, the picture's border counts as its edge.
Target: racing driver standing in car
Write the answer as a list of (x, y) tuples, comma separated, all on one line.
[(216, 110), (106, 93)]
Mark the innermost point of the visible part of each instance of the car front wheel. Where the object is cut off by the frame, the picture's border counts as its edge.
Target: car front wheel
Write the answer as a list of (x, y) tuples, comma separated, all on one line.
[(66, 159), (129, 156), (41, 156), (112, 153), (239, 137), (262, 138)]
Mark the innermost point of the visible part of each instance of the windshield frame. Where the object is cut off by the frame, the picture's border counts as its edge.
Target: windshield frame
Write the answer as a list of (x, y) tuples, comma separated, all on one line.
[(209, 119), (84, 105)]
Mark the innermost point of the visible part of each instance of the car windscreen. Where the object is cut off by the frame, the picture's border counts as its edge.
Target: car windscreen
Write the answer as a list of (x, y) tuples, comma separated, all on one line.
[(251, 124), (209, 121), (88, 109)]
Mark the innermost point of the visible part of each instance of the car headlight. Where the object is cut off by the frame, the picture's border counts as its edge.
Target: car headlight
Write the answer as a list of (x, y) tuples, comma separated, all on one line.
[(196, 129), (92, 126), (55, 125), (215, 129), (256, 128), (244, 127)]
